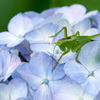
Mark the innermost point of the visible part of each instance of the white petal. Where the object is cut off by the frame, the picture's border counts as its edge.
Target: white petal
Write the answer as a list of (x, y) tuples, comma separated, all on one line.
[(18, 88), (15, 61), (76, 71), (19, 25)]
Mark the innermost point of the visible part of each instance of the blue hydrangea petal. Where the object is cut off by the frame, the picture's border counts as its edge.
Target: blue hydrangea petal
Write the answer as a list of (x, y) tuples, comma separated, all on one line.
[(4, 91), (18, 88), (91, 86), (92, 61), (39, 64), (76, 71), (33, 80)]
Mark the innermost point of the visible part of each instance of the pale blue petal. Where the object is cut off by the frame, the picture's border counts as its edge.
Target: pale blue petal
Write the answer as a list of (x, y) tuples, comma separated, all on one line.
[(69, 56), (72, 91), (91, 31), (57, 85), (5, 58), (31, 14), (14, 63), (62, 23), (52, 19), (19, 25), (43, 93), (82, 26), (92, 61), (15, 42), (87, 15), (57, 74), (7, 38), (76, 71), (48, 12), (4, 91), (40, 63), (96, 20), (18, 88), (41, 34), (97, 96), (27, 98), (41, 46), (91, 86), (33, 80), (72, 13), (36, 21)]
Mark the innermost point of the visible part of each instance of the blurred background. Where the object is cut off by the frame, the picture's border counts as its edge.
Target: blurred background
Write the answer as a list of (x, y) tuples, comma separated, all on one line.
[(9, 8)]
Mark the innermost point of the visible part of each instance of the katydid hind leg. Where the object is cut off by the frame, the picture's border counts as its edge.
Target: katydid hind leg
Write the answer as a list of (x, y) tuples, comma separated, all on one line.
[(60, 58), (65, 33)]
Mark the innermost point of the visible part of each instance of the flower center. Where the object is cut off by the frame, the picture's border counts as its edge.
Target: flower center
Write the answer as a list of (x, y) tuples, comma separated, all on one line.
[(57, 51), (46, 81), (20, 36), (80, 99), (91, 73), (1, 75)]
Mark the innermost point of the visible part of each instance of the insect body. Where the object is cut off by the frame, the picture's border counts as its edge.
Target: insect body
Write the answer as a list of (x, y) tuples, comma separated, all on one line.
[(73, 43)]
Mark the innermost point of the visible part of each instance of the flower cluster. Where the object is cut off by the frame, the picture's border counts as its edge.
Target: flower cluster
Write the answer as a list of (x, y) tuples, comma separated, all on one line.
[(52, 55)]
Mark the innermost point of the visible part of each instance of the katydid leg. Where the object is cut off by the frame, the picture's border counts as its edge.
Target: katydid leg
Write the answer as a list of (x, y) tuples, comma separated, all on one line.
[(60, 58), (65, 33)]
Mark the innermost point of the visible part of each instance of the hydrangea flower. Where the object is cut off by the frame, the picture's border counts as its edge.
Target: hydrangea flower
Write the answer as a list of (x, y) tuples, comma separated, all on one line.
[(87, 72), (16, 88), (38, 73), (8, 64), (18, 26)]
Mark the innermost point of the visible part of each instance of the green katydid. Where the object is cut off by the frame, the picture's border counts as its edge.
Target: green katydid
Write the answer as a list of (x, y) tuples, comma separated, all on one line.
[(73, 43)]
